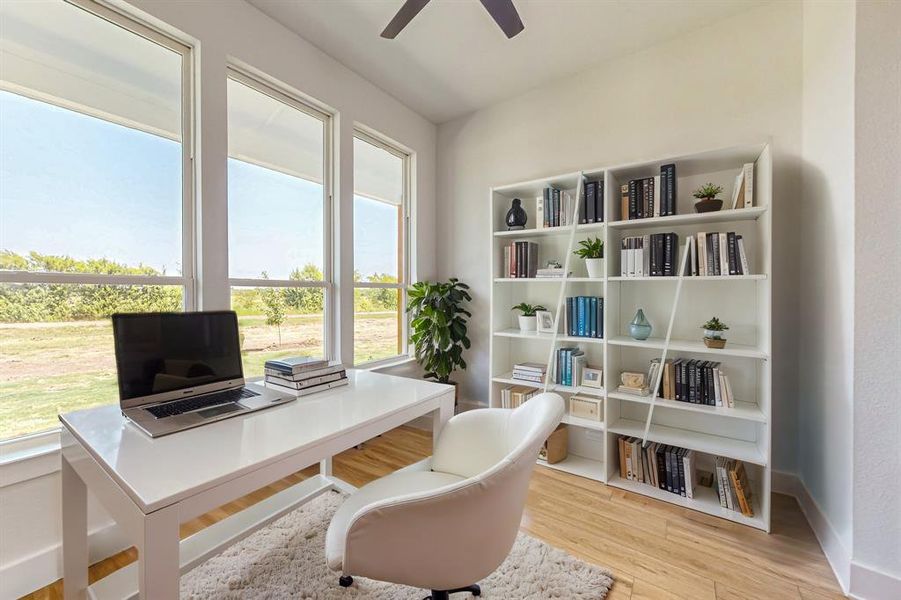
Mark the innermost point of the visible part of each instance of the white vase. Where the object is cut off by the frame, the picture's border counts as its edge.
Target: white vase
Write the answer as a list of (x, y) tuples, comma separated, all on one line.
[(595, 267), (528, 323)]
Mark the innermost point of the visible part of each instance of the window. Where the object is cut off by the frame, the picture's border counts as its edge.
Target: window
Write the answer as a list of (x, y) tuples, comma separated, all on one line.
[(380, 247), (95, 199), (278, 207)]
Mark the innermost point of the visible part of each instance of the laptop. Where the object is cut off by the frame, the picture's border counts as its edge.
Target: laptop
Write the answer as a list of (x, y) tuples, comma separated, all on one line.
[(182, 370)]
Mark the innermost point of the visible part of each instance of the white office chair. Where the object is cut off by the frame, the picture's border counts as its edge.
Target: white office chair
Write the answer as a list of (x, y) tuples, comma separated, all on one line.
[(451, 523)]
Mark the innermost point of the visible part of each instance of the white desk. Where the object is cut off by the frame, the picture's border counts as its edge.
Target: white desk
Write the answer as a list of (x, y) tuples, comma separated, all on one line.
[(150, 486)]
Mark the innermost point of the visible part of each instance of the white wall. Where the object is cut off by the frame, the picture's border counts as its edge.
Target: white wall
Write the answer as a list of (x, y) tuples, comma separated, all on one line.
[(736, 82), (232, 29), (877, 309), (825, 326)]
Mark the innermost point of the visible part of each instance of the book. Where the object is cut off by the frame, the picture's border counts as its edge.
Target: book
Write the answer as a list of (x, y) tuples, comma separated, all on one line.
[(331, 368), (748, 187), (307, 391), (306, 383), (668, 195), (624, 201), (539, 212), (738, 192), (295, 364)]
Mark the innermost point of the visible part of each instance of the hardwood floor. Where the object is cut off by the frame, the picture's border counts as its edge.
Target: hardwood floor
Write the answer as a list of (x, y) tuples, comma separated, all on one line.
[(655, 550)]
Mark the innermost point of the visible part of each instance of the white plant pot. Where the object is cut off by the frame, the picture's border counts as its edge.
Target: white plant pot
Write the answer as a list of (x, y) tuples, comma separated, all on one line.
[(595, 267), (528, 323)]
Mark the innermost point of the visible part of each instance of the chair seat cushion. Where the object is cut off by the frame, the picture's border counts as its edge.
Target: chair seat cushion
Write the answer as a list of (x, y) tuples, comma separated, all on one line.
[(390, 486)]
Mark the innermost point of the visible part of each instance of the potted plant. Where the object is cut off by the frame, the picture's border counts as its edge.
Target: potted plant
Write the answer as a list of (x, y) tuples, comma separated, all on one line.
[(707, 198), (592, 251), (528, 320), (438, 324), (713, 333)]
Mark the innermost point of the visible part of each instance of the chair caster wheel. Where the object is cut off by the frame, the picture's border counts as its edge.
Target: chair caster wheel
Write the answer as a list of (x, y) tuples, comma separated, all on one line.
[(476, 590), (345, 581)]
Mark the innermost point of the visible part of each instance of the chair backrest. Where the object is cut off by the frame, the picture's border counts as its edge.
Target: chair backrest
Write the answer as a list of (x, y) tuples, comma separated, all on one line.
[(476, 441), (474, 522)]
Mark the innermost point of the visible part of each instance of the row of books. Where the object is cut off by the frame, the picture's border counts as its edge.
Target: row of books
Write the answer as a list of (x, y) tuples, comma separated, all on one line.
[(668, 468), (654, 255), (694, 381), (584, 317), (554, 208), (568, 365), (718, 253), (592, 208), (302, 376), (733, 486), (650, 196), (674, 470), (529, 371), (520, 260), (513, 396)]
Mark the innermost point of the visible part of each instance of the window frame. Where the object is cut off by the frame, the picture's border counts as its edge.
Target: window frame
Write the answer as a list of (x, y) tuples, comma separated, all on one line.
[(282, 93), (404, 254), (188, 278)]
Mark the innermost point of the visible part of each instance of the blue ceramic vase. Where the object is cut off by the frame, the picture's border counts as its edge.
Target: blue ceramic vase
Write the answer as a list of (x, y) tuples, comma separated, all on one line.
[(640, 328)]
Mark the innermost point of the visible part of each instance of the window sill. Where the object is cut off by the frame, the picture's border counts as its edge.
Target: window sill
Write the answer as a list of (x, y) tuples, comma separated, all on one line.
[(387, 363), (29, 457)]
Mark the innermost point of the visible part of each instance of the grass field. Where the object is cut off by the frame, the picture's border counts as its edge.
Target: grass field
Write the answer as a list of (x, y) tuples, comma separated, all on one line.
[(51, 368)]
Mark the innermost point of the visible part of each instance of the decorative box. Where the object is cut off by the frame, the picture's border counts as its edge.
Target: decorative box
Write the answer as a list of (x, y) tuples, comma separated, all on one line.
[(556, 446), (586, 407)]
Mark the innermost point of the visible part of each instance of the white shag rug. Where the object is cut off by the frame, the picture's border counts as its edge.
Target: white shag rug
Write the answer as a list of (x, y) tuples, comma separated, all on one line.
[(287, 560)]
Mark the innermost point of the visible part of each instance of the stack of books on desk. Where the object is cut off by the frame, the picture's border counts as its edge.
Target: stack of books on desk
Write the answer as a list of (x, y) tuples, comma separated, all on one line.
[(302, 376)]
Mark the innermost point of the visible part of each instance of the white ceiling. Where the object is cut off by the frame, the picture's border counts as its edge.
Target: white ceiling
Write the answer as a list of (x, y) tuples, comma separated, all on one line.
[(453, 59)]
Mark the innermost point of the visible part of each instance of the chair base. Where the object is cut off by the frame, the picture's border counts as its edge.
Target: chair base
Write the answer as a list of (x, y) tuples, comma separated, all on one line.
[(445, 594)]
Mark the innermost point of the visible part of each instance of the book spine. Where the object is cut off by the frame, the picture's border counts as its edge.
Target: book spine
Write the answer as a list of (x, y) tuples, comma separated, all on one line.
[(743, 258), (651, 193), (680, 456), (633, 199), (724, 254), (749, 185), (599, 203), (590, 204), (670, 200), (733, 262), (539, 212)]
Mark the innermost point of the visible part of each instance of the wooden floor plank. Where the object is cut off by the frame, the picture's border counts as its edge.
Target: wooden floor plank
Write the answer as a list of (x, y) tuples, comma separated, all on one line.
[(655, 550)]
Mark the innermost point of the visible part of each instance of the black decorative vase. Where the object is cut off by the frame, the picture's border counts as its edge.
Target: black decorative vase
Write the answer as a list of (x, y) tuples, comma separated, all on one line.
[(516, 216)]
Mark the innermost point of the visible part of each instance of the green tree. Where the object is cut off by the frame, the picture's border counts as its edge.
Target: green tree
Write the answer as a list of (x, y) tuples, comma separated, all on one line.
[(274, 305), (305, 300)]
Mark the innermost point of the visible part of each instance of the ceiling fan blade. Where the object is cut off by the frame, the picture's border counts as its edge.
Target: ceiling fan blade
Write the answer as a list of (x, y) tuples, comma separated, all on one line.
[(406, 13), (504, 14)]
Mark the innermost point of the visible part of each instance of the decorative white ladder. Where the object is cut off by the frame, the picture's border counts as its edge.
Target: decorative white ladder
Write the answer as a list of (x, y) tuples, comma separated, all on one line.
[(562, 293)]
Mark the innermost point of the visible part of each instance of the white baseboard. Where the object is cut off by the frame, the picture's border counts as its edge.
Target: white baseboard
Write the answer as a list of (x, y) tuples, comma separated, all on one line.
[(857, 580), (868, 583), (43, 568)]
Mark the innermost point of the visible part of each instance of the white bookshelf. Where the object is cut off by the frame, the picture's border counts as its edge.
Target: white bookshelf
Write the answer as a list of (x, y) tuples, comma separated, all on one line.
[(743, 302)]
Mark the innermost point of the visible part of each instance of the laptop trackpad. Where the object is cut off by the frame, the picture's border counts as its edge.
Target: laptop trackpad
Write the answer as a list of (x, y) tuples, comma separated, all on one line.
[(219, 410)]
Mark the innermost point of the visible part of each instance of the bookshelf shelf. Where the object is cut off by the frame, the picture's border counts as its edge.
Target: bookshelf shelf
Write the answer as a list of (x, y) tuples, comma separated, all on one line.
[(705, 500), (546, 337), (694, 440), (578, 465), (695, 278), (698, 347), (548, 280), (527, 233), (507, 379), (744, 302), (721, 216), (743, 410), (579, 422)]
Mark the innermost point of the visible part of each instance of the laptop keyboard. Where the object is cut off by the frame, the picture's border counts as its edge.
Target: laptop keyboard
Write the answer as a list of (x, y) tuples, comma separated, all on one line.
[(189, 404)]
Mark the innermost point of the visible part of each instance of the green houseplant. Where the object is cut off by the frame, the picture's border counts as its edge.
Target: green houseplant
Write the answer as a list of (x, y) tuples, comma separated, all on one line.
[(527, 320), (713, 333), (592, 251), (707, 198), (438, 322)]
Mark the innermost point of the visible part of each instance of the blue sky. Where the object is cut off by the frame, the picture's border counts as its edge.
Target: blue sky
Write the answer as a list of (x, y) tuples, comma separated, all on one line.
[(79, 186)]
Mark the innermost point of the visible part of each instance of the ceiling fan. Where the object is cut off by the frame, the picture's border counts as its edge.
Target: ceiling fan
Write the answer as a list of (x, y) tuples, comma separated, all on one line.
[(502, 11)]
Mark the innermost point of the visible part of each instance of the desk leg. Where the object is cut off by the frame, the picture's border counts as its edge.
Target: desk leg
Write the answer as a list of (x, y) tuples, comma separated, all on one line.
[(158, 558), (75, 534), (441, 416)]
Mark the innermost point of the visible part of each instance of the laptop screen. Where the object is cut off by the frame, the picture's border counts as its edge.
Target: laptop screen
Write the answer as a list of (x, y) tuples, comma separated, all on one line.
[(164, 352)]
